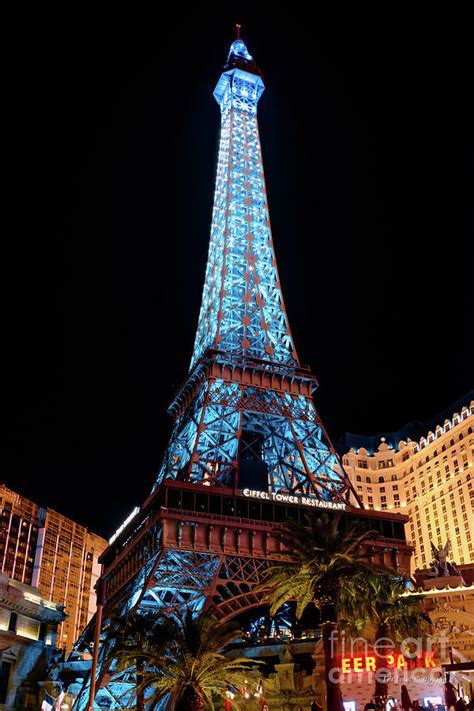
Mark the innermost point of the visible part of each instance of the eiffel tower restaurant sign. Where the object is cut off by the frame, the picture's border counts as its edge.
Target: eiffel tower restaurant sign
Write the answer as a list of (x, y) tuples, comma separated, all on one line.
[(292, 499)]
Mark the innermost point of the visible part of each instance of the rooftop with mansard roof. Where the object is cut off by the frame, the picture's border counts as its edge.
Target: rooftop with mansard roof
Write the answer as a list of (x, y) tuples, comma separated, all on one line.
[(413, 430)]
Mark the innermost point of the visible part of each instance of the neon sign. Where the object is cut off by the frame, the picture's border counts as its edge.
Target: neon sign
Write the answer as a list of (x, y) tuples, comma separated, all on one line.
[(292, 499), (119, 530), (391, 661)]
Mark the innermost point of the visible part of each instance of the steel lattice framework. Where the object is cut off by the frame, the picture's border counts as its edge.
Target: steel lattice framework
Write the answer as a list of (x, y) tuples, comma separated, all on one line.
[(244, 417), (245, 375)]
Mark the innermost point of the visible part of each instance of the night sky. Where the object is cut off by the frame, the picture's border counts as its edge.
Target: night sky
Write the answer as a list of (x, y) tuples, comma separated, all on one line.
[(111, 146)]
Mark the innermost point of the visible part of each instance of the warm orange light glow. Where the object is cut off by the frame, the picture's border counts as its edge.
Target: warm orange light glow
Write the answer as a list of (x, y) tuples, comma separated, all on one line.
[(393, 661)]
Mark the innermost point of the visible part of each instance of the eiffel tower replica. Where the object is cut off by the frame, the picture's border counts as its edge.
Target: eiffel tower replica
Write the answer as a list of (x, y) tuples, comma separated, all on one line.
[(248, 449)]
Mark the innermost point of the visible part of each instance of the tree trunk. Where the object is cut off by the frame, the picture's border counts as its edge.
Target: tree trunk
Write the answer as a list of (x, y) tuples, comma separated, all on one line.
[(191, 700), (382, 651), (139, 681), (331, 671)]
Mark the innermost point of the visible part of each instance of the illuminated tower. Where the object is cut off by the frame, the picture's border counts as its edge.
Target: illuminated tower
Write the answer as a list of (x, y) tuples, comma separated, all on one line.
[(245, 415), (248, 449)]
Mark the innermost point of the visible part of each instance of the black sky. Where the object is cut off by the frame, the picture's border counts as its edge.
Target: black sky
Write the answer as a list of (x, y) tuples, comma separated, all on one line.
[(367, 134)]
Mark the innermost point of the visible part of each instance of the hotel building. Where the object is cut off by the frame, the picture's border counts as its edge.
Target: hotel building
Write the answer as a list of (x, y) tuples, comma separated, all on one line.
[(43, 548), (425, 471), (28, 626)]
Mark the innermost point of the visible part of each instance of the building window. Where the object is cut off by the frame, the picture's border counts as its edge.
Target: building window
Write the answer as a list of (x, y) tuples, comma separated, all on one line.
[(381, 479), (395, 487), (358, 477), (12, 622), (42, 631), (4, 680), (368, 479), (362, 464), (382, 489), (383, 498)]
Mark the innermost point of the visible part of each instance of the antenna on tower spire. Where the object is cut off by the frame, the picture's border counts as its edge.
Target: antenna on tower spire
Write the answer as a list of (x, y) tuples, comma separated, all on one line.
[(237, 29)]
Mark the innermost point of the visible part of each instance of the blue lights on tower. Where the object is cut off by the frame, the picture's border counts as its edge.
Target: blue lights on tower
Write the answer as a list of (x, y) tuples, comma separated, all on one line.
[(246, 397), (244, 418)]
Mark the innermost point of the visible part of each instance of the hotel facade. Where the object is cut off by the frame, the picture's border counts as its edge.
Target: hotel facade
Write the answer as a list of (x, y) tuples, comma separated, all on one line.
[(425, 471), (43, 548)]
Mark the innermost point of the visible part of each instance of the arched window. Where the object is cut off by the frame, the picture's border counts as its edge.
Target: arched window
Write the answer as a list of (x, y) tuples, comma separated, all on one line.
[(443, 448), (358, 477), (368, 479), (469, 431), (461, 436), (394, 477), (381, 479), (435, 453), (451, 444)]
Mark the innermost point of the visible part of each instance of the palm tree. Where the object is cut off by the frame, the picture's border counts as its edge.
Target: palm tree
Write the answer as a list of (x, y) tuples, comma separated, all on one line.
[(188, 664), (131, 641), (319, 558), (380, 601)]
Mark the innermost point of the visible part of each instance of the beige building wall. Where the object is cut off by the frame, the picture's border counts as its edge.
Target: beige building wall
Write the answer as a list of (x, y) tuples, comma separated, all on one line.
[(50, 551), (430, 480)]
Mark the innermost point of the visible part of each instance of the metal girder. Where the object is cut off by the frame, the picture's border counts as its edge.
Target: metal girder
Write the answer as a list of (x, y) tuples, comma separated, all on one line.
[(205, 440)]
